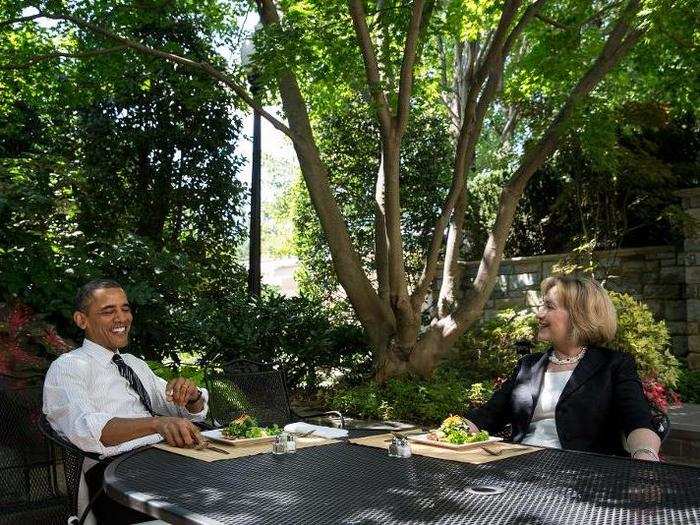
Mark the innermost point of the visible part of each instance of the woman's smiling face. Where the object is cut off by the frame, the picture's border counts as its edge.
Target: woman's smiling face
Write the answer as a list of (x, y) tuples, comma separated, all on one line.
[(107, 320), (553, 319)]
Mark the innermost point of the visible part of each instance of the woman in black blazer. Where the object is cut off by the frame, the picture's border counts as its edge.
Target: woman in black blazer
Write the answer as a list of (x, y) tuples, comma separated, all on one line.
[(577, 395)]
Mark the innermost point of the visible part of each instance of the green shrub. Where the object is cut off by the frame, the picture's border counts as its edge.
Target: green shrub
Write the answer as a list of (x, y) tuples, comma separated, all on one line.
[(193, 372), (689, 385), (296, 333), (411, 399), (488, 351), (644, 338)]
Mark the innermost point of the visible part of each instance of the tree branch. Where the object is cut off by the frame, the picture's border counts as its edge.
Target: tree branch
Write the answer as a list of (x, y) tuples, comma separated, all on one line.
[(509, 126), (564, 27), (377, 318), (485, 48), (451, 273), (381, 247), (496, 47), (551, 22), (619, 42), (357, 12), (171, 57), (452, 270), (465, 144), (20, 19), (407, 64), (531, 12), (48, 56)]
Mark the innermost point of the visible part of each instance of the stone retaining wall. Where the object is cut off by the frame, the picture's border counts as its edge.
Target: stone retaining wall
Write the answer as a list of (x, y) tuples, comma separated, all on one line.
[(655, 275), (691, 204), (666, 278)]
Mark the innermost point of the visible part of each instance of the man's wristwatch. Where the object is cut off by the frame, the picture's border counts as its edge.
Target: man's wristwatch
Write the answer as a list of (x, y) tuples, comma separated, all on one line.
[(196, 398)]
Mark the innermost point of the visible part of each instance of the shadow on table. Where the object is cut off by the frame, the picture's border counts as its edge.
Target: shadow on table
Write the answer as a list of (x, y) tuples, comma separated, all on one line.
[(352, 484)]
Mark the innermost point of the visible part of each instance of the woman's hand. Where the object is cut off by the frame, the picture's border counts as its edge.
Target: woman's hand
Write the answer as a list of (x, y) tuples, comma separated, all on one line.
[(643, 443), (472, 427)]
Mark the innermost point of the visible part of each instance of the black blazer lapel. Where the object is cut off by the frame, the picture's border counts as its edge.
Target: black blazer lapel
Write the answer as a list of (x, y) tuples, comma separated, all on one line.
[(588, 366), (526, 393), (536, 377)]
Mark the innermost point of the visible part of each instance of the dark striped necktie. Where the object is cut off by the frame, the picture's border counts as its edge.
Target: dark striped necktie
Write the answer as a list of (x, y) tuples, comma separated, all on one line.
[(128, 373)]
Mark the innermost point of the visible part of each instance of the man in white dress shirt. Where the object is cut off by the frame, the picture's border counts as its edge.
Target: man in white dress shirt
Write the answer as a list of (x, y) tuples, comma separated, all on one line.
[(107, 402)]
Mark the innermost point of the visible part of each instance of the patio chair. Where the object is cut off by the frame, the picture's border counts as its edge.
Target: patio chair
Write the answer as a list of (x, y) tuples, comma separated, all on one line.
[(661, 422), (73, 459), (29, 483), (242, 387)]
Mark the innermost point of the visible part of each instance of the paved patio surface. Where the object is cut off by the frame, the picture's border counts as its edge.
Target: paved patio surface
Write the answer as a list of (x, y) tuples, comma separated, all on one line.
[(683, 443)]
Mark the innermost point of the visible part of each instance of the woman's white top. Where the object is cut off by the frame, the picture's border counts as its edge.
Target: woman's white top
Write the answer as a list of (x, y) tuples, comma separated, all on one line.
[(543, 428)]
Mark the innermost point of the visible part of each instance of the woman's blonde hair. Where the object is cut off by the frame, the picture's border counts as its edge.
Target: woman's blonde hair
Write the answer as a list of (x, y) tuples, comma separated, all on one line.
[(592, 316)]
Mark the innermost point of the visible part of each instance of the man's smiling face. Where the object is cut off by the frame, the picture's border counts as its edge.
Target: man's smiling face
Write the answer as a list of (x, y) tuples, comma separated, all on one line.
[(107, 319)]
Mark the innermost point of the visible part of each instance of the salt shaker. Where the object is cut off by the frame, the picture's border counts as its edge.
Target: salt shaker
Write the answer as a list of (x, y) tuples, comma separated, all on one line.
[(399, 447), (291, 444)]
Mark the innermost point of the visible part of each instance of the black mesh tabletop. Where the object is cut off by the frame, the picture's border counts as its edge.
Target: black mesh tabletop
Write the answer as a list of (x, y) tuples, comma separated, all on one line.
[(346, 483)]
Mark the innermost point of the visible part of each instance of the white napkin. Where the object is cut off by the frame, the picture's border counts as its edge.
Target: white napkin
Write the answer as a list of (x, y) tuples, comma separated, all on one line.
[(318, 431)]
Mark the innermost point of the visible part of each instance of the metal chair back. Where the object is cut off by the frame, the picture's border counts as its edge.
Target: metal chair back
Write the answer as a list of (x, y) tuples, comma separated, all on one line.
[(245, 387), (30, 489), (73, 459), (661, 422)]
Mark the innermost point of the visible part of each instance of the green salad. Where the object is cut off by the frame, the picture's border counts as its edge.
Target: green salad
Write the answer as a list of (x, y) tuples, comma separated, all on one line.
[(455, 430), (247, 427)]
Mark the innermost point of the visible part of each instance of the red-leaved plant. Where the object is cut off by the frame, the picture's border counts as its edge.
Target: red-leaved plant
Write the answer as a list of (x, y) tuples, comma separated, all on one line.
[(28, 344), (660, 396)]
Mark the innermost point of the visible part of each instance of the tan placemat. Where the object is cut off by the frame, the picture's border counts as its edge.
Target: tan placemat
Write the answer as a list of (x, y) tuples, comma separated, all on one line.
[(476, 456), (239, 451)]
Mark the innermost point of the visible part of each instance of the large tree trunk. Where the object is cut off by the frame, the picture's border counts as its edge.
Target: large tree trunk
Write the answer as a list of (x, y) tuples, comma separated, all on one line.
[(393, 326), (377, 319), (457, 316)]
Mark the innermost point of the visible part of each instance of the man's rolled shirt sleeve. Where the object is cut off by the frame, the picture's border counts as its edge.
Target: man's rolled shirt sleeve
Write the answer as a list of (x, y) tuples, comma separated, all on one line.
[(199, 416), (71, 413)]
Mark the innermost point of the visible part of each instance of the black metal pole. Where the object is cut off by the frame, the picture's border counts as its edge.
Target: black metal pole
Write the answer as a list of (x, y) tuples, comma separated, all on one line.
[(254, 259)]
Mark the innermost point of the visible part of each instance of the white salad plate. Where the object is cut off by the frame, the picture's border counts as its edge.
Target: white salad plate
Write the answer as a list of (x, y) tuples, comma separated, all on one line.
[(216, 435), (423, 440)]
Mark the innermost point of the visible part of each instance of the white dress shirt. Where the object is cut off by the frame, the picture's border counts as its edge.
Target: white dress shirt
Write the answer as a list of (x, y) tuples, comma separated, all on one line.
[(543, 427), (83, 390)]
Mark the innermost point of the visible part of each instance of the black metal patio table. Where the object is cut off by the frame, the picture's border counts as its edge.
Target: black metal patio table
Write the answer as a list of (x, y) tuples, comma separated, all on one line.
[(346, 483)]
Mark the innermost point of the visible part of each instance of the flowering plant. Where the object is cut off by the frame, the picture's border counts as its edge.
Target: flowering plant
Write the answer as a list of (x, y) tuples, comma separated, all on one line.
[(27, 342), (660, 396)]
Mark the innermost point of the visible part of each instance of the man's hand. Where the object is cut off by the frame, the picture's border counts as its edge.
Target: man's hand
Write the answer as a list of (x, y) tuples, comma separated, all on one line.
[(178, 432), (181, 391)]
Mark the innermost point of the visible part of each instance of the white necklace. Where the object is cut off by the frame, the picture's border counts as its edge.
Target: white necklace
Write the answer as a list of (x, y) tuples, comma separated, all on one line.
[(567, 360)]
